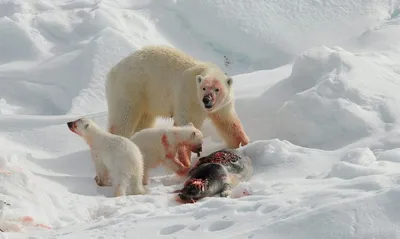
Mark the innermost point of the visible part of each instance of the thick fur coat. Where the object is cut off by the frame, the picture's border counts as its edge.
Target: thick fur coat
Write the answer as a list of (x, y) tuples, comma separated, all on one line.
[(160, 146), (114, 156), (161, 81)]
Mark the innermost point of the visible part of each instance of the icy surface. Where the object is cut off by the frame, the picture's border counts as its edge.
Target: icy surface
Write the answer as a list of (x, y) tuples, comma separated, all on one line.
[(317, 86)]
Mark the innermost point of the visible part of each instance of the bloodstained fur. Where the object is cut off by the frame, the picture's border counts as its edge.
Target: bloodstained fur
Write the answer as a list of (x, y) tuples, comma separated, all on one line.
[(171, 156)]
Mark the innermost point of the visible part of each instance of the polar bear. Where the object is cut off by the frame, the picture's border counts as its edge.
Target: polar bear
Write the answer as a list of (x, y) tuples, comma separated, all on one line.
[(159, 146), (161, 81), (112, 154)]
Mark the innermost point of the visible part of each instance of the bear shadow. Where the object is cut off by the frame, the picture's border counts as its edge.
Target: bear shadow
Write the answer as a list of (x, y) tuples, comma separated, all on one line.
[(78, 164), (79, 173), (79, 185)]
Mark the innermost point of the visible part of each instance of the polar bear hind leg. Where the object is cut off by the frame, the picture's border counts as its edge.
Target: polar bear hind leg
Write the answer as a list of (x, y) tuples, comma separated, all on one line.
[(121, 185), (124, 116), (145, 177), (120, 191), (146, 121), (128, 182), (137, 186)]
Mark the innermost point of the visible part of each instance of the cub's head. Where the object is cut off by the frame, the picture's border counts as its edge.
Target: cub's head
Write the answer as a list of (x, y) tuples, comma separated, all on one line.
[(214, 91), (193, 138), (80, 126)]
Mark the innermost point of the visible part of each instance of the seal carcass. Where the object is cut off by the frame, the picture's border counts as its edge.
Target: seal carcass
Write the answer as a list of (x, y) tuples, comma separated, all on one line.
[(216, 174)]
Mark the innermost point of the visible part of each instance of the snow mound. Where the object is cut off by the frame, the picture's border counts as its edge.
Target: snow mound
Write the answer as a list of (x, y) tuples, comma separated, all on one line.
[(392, 155), (12, 33), (66, 50), (276, 159), (326, 102), (351, 219), (33, 207), (290, 185), (317, 91), (256, 34)]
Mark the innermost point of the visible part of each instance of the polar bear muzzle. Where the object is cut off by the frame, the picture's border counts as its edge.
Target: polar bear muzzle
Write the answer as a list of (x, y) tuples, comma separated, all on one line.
[(208, 101), (197, 149)]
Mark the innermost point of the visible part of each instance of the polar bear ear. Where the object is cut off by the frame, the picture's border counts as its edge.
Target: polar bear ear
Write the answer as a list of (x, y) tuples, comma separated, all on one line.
[(229, 81), (199, 78), (190, 124)]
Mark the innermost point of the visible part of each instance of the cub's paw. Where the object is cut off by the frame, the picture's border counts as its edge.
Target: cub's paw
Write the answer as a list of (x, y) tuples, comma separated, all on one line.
[(102, 182)]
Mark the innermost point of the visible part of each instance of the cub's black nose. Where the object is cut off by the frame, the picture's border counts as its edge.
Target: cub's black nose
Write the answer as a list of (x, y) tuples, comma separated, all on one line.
[(197, 148), (70, 124)]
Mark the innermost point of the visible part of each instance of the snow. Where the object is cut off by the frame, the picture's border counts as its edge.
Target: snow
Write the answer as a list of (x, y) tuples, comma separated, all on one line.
[(317, 87)]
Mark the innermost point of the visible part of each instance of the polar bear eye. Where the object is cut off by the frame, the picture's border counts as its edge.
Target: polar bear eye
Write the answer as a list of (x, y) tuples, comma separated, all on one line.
[(85, 126), (204, 88), (229, 81), (216, 90)]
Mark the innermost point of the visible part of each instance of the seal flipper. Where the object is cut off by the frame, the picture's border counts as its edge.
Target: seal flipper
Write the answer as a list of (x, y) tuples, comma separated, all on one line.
[(226, 190)]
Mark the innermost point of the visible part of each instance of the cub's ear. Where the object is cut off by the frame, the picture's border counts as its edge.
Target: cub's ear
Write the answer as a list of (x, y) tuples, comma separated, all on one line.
[(199, 78), (229, 81)]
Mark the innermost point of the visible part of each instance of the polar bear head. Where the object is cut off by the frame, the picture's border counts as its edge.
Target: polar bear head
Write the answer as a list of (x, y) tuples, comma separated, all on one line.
[(194, 138), (214, 90), (82, 126), (187, 135)]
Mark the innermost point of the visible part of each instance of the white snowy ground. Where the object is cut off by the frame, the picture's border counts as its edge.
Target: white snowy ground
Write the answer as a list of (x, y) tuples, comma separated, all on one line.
[(318, 88)]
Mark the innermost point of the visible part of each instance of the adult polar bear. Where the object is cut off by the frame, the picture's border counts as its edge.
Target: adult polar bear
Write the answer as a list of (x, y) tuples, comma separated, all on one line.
[(161, 81)]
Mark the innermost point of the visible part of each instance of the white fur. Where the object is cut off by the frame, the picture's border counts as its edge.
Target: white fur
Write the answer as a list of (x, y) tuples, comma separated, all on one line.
[(113, 154), (161, 81), (152, 145)]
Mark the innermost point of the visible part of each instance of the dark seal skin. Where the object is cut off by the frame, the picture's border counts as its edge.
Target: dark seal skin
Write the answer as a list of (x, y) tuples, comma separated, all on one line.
[(216, 175)]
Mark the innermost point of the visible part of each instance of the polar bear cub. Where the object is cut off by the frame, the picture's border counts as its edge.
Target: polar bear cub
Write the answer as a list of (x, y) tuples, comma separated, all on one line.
[(162, 81), (112, 154), (160, 146)]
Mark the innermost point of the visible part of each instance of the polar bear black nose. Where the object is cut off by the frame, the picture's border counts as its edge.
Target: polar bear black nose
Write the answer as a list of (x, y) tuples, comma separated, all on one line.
[(207, 102)]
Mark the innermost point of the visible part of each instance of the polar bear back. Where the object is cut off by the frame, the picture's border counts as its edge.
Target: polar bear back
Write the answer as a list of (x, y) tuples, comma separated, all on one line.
[(154, 73)]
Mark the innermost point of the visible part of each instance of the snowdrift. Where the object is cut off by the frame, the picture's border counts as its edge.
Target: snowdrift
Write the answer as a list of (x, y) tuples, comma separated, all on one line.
[(317, 91), (256, 34)]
